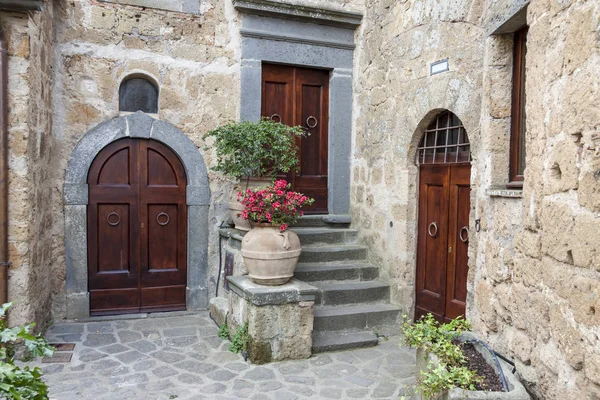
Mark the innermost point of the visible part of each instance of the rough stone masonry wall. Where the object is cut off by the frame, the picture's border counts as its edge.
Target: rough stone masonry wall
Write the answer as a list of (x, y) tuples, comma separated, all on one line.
[(30, 145), (395, 99), (193, 58), (537, 284)]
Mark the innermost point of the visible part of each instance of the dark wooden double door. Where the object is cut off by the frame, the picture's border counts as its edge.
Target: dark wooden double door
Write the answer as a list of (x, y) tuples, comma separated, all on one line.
[(137, 229), (443, 236), (300, 96)]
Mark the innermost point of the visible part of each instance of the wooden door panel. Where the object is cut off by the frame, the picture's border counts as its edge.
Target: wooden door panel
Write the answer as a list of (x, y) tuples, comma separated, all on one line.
[(300, 96), (432, 241), (163, 240), (458, 269), (136, 261), (160, 170), (113, 235)]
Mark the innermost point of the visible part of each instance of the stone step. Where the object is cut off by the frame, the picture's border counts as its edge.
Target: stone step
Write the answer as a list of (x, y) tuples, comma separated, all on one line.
[(332, 341), (340, 221), (357, 317), (311, 236), (334, 293), (317, 254), (336, 271)]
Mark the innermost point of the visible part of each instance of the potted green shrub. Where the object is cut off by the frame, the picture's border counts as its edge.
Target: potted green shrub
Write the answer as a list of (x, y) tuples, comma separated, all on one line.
[(254, 153), (447, 355)]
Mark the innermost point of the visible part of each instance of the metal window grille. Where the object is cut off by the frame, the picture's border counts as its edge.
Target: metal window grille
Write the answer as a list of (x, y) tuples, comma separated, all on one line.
[(445, 141)]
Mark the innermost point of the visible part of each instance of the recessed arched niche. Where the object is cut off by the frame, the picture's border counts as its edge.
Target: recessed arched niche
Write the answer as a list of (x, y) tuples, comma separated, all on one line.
[(138, 93)]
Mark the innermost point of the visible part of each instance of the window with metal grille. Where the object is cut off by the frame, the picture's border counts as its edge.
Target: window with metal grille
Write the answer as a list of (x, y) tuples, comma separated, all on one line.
[(445, 141), (138, 94)]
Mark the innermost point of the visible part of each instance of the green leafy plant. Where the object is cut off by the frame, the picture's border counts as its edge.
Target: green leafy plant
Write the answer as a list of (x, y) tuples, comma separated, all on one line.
[(239, 340), (432, 337), (224, 332), (255, 149), (15, 382)]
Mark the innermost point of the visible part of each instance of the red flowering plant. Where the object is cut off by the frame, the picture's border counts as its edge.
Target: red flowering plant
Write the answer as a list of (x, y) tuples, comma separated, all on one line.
[(275, 204)]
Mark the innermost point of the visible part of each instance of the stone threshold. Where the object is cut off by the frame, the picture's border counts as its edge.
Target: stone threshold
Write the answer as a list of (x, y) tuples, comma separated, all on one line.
[(121, 317)]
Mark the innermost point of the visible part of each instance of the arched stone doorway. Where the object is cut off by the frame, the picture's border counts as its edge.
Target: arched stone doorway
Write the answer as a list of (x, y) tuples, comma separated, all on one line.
[(76, 200), (443, 157)]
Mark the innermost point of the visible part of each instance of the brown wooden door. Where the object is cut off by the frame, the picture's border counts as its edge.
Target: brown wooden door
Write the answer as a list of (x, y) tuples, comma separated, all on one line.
[(442, 263), (137, 229), (300, 96)]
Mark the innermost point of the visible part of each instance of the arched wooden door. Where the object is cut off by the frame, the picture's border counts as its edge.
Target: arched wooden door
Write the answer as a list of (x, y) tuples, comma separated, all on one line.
[(137, 229), (444, 204)]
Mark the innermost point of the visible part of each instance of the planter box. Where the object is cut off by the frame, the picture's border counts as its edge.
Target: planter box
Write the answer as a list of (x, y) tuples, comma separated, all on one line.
[(516, 389)]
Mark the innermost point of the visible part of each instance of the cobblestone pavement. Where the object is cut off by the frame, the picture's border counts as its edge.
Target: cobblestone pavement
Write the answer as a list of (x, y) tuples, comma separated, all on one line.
[(181, 357)]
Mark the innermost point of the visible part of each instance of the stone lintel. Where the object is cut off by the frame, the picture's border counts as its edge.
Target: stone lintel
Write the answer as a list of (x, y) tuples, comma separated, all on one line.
[(183, 6), (294, 291), (511, 21), (320, 15)]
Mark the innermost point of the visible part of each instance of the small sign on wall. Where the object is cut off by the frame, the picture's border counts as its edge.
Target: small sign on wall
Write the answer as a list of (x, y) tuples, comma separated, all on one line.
[(439, 67)]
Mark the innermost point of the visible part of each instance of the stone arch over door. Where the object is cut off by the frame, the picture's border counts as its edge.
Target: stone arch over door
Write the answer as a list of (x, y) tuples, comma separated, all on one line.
[(75, 196)]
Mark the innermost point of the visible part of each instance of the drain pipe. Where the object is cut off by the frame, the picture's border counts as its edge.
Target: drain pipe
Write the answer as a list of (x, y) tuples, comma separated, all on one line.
[(4, 264)]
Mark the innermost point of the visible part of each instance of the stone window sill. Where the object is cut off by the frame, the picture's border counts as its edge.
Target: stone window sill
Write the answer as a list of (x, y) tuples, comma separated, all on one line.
[(506, 193)]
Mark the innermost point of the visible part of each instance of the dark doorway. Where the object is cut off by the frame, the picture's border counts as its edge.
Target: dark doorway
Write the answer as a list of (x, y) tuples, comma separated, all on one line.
[(137, 229), (300, 96)]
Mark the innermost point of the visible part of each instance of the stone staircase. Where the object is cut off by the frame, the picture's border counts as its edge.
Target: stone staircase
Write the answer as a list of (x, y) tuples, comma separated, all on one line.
[(351, 305)]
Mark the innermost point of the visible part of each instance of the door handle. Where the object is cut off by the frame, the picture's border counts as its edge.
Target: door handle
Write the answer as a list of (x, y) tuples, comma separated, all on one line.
[(434, 226), (463, 230)]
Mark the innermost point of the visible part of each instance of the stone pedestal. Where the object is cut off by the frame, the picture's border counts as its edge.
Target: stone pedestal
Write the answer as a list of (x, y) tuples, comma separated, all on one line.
[(279, 318)]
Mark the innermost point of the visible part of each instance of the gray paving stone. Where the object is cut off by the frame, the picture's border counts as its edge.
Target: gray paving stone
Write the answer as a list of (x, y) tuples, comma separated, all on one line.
[(168, 357), (181, 341), (331, 393), (99, 339), (164, 372), (114, 348), (243, 386), (87, 355), (269, 386), (106, 363), (190, 379), (213, 388), (283, 395), (143, 345), (130, 356), (360, 380), (129, 336), (176, 332), (221, 375), (144, 365), (357, 393), (259, 374), (196, 366), (302, 390), (304, 380), (53, 369), (134, 379), (99, 327), (384, 390)]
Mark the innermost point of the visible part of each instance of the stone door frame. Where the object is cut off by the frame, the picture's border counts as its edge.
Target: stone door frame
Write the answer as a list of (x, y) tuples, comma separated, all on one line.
[(75, 196), (304, 36)]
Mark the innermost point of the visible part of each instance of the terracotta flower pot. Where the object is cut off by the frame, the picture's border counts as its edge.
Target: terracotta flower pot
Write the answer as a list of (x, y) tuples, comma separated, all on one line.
[(236, 207), (270, 255)]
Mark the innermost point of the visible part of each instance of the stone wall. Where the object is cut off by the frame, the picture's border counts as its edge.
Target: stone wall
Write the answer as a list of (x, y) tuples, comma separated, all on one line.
[(30, 40), (533, 277), (537, 285), (395, 98), (193, 58)]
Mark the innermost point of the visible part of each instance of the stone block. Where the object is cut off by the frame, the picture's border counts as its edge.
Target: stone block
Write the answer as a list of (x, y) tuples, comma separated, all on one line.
[(279, 325)]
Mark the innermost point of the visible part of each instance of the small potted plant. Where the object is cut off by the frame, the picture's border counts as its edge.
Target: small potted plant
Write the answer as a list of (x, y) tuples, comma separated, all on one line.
[(254, 153), (270, 250), (454, 364)]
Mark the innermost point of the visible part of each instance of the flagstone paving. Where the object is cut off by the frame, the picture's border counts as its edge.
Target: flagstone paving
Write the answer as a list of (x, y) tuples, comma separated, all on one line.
[(181, 357)]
